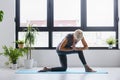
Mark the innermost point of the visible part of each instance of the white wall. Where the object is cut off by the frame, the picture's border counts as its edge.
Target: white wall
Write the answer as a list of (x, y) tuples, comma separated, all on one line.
[(98, 58), (7, 27), (93, 57)]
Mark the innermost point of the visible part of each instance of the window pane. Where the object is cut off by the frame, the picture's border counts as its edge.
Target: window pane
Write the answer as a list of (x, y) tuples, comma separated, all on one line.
[(94, 39), (98, 39), (67, 13), (100, 13), (34, 12), (41, 39)]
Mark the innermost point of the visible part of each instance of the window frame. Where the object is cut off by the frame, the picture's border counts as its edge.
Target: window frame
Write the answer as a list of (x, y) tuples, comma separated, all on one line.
[(50, 23)]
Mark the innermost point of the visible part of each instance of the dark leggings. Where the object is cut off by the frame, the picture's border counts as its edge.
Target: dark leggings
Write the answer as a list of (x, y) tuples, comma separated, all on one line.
[(63, 59)]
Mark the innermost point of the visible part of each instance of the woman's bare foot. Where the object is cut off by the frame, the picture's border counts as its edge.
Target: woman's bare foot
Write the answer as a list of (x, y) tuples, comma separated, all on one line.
[(45, 69), (88, 69)]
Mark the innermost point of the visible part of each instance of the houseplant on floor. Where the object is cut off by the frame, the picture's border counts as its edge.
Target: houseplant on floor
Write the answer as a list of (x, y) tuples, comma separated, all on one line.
[(30, 36), (13, 55)]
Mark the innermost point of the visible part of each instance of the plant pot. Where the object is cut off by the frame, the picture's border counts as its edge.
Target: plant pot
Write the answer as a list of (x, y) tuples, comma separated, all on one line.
[(14, 66), (20, 45), (28, 63), (110, 46)]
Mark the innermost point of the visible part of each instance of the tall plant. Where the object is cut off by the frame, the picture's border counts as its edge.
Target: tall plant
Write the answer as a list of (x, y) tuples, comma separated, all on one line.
[(30, 38), (1, 15)]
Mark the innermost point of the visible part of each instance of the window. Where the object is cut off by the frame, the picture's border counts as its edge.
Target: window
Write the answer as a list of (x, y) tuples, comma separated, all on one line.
[(34, 12), (39, 42), (93, 38), (100, 13), (68, 15), (56, 18)]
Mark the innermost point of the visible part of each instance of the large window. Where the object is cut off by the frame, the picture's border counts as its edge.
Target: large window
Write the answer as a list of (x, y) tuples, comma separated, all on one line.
[(56, 18)]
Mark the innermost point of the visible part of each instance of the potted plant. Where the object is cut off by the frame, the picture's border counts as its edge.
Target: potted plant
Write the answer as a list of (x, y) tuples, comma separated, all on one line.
[(111, 41), (20, 43), (13, 55), (1, 15), (30, 36)]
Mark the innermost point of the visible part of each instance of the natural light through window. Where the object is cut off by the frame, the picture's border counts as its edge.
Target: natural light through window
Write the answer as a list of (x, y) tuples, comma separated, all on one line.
[(67, 13), (54, 19), (100, 13), (94, 39), (39, 41), (34, 12)]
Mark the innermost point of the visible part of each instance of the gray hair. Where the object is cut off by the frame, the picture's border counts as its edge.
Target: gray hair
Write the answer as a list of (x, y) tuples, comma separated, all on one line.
[(78, 34)]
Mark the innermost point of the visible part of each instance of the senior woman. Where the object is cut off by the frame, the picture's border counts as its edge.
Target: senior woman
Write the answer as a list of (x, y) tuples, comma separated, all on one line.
[(67, 46)]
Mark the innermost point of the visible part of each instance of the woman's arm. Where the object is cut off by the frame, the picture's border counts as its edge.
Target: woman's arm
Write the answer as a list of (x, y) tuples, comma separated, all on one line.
[(85, 46)]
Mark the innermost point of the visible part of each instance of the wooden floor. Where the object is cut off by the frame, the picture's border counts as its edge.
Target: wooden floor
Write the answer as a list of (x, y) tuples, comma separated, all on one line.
[(113, 74)]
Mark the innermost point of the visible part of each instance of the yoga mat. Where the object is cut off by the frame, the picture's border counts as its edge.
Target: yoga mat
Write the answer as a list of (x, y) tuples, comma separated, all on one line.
[(58, 72)]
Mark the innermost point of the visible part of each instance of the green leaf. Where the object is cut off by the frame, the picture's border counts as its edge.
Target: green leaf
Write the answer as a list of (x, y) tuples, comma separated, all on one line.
[(1, 15)]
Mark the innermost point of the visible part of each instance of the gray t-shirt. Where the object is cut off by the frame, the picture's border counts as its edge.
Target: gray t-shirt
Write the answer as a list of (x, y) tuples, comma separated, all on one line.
[(69, 38)]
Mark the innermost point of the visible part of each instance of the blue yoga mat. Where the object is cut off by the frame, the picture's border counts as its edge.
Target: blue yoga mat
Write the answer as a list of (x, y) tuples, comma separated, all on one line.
[(59, 72)]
